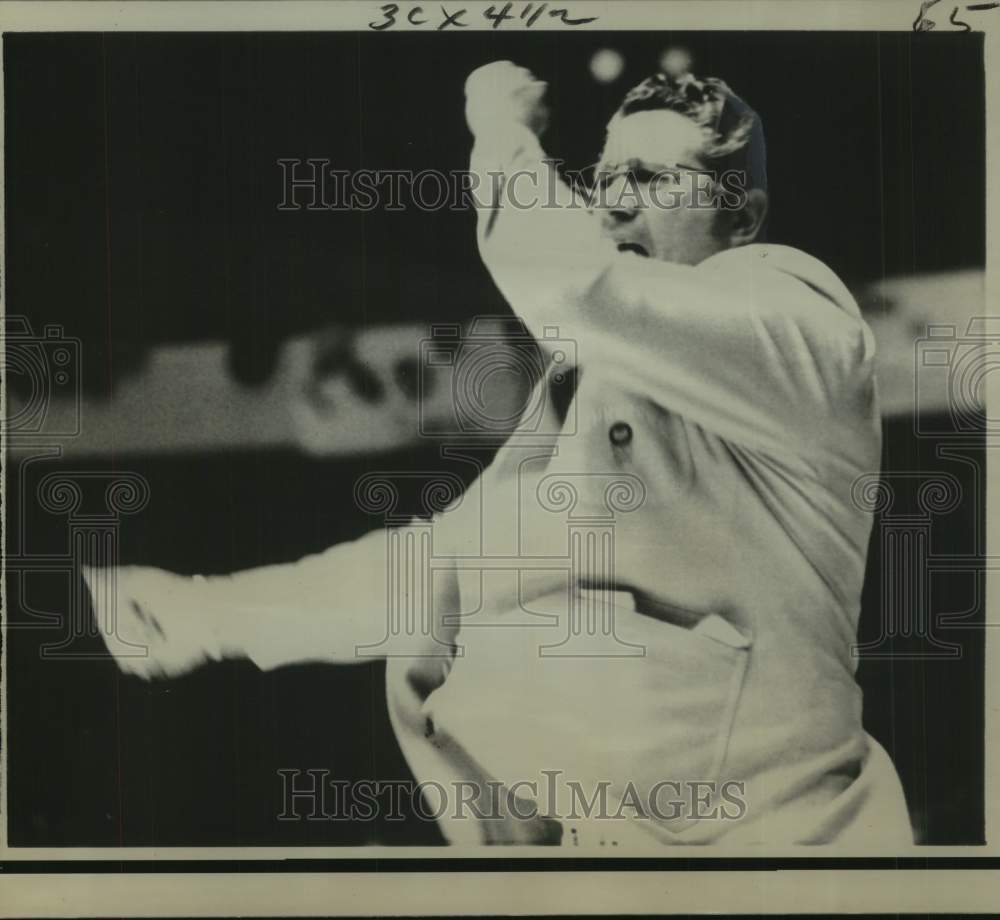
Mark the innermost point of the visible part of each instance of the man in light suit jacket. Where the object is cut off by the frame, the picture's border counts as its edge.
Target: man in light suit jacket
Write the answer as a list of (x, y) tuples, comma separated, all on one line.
[(729, 384)]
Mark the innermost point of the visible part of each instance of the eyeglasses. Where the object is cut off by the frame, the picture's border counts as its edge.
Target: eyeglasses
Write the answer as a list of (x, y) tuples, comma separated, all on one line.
[(598, 177), (603, 174)]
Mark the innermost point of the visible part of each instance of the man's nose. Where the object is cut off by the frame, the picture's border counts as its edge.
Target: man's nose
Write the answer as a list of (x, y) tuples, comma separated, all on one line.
[(618, 206)]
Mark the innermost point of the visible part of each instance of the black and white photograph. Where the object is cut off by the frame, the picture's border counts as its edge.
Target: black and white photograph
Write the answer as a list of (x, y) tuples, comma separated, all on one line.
[(497, 431)]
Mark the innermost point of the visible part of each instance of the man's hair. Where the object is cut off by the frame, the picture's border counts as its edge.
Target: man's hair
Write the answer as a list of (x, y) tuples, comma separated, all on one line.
[(734, 134)]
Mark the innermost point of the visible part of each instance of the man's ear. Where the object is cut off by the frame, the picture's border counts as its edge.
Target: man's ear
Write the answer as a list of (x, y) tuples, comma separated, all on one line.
[(746, 223)]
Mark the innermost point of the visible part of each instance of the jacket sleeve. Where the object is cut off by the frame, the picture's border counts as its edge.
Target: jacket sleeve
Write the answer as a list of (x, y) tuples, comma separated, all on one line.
[(332, 606), (762, 346)]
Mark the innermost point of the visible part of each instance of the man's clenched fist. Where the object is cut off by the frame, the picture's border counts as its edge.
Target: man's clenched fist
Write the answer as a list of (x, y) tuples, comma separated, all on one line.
[(501, 93), (151, 621)]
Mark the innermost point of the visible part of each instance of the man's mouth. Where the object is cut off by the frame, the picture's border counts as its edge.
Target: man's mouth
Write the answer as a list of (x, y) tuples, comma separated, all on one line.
[(634, 247)]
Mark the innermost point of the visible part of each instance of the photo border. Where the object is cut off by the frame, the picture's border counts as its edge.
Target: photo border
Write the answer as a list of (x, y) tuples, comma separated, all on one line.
[(338, 881)]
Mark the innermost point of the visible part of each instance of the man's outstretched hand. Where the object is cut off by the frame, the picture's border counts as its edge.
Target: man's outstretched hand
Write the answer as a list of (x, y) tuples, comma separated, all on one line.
[(500, 94), (140, 607)]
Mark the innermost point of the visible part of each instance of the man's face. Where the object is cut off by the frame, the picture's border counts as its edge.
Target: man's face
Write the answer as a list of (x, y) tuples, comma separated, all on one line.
[(648, 202)]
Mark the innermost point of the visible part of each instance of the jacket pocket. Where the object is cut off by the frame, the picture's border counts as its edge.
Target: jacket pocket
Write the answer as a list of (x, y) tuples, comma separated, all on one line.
[(686, 695), (634, 727)]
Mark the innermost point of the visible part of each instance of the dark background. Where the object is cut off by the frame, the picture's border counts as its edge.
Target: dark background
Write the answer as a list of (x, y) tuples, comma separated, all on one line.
[(144, 181), (142, 192)]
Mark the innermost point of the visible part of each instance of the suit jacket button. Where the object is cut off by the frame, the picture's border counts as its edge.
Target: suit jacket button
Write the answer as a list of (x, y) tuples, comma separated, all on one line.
[(620, 434)]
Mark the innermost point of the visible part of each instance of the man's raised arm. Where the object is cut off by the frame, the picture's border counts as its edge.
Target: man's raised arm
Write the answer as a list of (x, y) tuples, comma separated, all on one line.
[(761, 345)]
